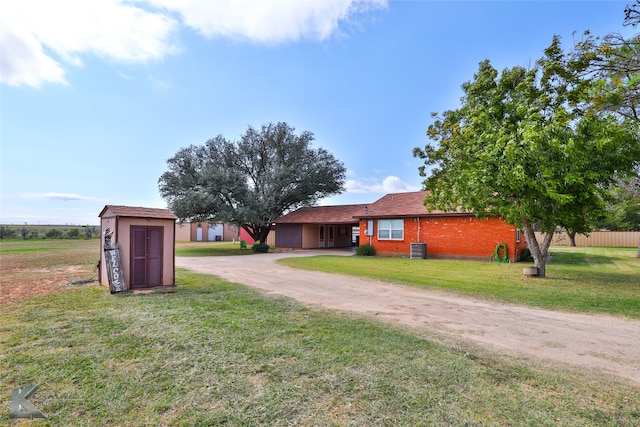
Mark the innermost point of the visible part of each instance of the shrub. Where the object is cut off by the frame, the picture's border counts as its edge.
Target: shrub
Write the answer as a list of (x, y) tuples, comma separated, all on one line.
[(7, 232), (74, 233), (365, 250), (54, 234), (260, 248), (525, 256)]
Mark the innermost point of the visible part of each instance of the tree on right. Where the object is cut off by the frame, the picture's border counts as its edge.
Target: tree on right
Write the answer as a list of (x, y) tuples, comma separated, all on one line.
[(532, 146)]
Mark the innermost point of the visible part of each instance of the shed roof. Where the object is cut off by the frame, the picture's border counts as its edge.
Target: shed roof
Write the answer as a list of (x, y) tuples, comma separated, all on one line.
[(136, 212), (403, 205), (343, 214)]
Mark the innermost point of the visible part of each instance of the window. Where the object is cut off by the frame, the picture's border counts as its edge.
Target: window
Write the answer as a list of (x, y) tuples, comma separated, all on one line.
[(391, 229), (517, 235)]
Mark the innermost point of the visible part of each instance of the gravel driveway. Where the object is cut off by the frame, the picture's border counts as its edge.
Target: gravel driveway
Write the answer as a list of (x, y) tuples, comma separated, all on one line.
[(606, 342)]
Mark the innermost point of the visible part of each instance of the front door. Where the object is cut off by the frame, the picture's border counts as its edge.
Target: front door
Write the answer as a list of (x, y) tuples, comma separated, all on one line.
[(331, 236), (146, 256), (321, 237)]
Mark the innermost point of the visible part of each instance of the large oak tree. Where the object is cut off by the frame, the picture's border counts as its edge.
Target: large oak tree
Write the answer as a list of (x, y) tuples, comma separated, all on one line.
[(250, 182), (529, 145)]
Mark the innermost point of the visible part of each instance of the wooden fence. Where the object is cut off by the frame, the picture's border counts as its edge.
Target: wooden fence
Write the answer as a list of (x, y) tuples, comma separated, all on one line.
[(597, 238)]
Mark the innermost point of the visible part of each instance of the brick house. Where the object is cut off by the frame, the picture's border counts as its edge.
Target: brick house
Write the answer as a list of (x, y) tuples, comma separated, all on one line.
[(395, 222)]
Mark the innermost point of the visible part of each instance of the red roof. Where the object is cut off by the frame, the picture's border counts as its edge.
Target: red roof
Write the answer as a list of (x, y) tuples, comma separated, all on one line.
[(396, 205), (137, 212), (403, 205), (344, 214)]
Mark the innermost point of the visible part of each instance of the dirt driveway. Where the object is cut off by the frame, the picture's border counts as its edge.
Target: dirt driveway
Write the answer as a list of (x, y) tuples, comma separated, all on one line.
[(605, 342)]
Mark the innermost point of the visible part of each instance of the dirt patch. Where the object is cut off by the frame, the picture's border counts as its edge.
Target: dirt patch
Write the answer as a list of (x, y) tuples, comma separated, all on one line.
[(594, 341), (19, 282)]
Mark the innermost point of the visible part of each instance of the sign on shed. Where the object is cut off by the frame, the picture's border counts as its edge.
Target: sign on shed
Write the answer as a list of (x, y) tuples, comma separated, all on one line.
[(139, 247)]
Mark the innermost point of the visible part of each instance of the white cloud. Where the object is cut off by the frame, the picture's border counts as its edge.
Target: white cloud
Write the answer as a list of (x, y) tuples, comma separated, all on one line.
[(36, 31), (23, 60), (391, 184), (58, 196), (37, 36), (272, 21)]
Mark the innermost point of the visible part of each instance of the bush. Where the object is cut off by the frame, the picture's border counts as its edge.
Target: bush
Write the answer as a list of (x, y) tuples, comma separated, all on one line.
[(54, 233), (7, 232), (526, 256), (74, 233), (260, 248), (365, 250)]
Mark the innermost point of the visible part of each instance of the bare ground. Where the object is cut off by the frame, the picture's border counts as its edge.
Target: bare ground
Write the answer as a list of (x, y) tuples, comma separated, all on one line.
[(592, 341)]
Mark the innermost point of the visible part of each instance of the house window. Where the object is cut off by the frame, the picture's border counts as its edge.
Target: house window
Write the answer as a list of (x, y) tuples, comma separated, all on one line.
[(517, 235), (392, 229)]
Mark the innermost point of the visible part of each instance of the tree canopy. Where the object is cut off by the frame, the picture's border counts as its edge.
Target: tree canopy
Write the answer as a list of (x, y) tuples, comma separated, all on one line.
[(615, 72), (252, 181), (632, 14), (529, 145)]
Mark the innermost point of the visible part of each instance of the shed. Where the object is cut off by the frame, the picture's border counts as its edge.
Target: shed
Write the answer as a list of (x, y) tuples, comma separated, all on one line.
[(138, 248)]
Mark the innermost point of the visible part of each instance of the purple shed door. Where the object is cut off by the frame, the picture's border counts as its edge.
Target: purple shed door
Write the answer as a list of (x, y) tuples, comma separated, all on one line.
[(146, 256)]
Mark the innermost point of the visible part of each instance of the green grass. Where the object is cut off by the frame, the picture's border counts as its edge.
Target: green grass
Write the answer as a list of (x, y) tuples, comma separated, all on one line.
[(197, 249), (19, 256), (8, 247), (216, 353), (589, 280)]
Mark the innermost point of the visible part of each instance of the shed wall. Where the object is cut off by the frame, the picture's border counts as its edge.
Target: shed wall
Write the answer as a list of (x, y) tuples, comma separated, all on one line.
[(121, 227)]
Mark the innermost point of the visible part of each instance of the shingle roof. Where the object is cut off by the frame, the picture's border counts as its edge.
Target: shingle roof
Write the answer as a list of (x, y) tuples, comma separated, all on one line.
[(396, 205), (403, 205), (344, 214), (138, 212)]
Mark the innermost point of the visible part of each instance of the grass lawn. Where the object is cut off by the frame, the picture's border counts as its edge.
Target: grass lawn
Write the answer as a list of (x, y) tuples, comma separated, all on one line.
[(211, 249), (216, 353), (590, 280)]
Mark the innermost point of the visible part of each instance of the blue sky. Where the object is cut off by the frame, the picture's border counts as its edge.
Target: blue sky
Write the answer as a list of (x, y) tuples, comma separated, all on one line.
[(96, 96)]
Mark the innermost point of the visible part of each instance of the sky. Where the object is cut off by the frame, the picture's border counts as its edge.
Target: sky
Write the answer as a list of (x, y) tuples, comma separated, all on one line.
[(95, 96)]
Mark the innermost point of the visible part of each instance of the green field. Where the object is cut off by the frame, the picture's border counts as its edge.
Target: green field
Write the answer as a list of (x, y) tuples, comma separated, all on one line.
[(217, 353)]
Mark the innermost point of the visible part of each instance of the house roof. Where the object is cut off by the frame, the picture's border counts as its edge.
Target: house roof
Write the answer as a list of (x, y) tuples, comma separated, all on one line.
[(343, 214), (403, 205), (137, 212), (395, 205)]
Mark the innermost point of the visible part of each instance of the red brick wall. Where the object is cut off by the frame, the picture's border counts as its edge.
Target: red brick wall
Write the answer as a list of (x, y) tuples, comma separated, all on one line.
[(450, 237)]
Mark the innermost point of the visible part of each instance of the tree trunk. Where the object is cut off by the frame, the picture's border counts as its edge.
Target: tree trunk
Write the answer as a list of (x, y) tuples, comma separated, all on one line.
[(257, 232), (572, 239), (638, 254), (253, 231), (264, 233), (538, 251)]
